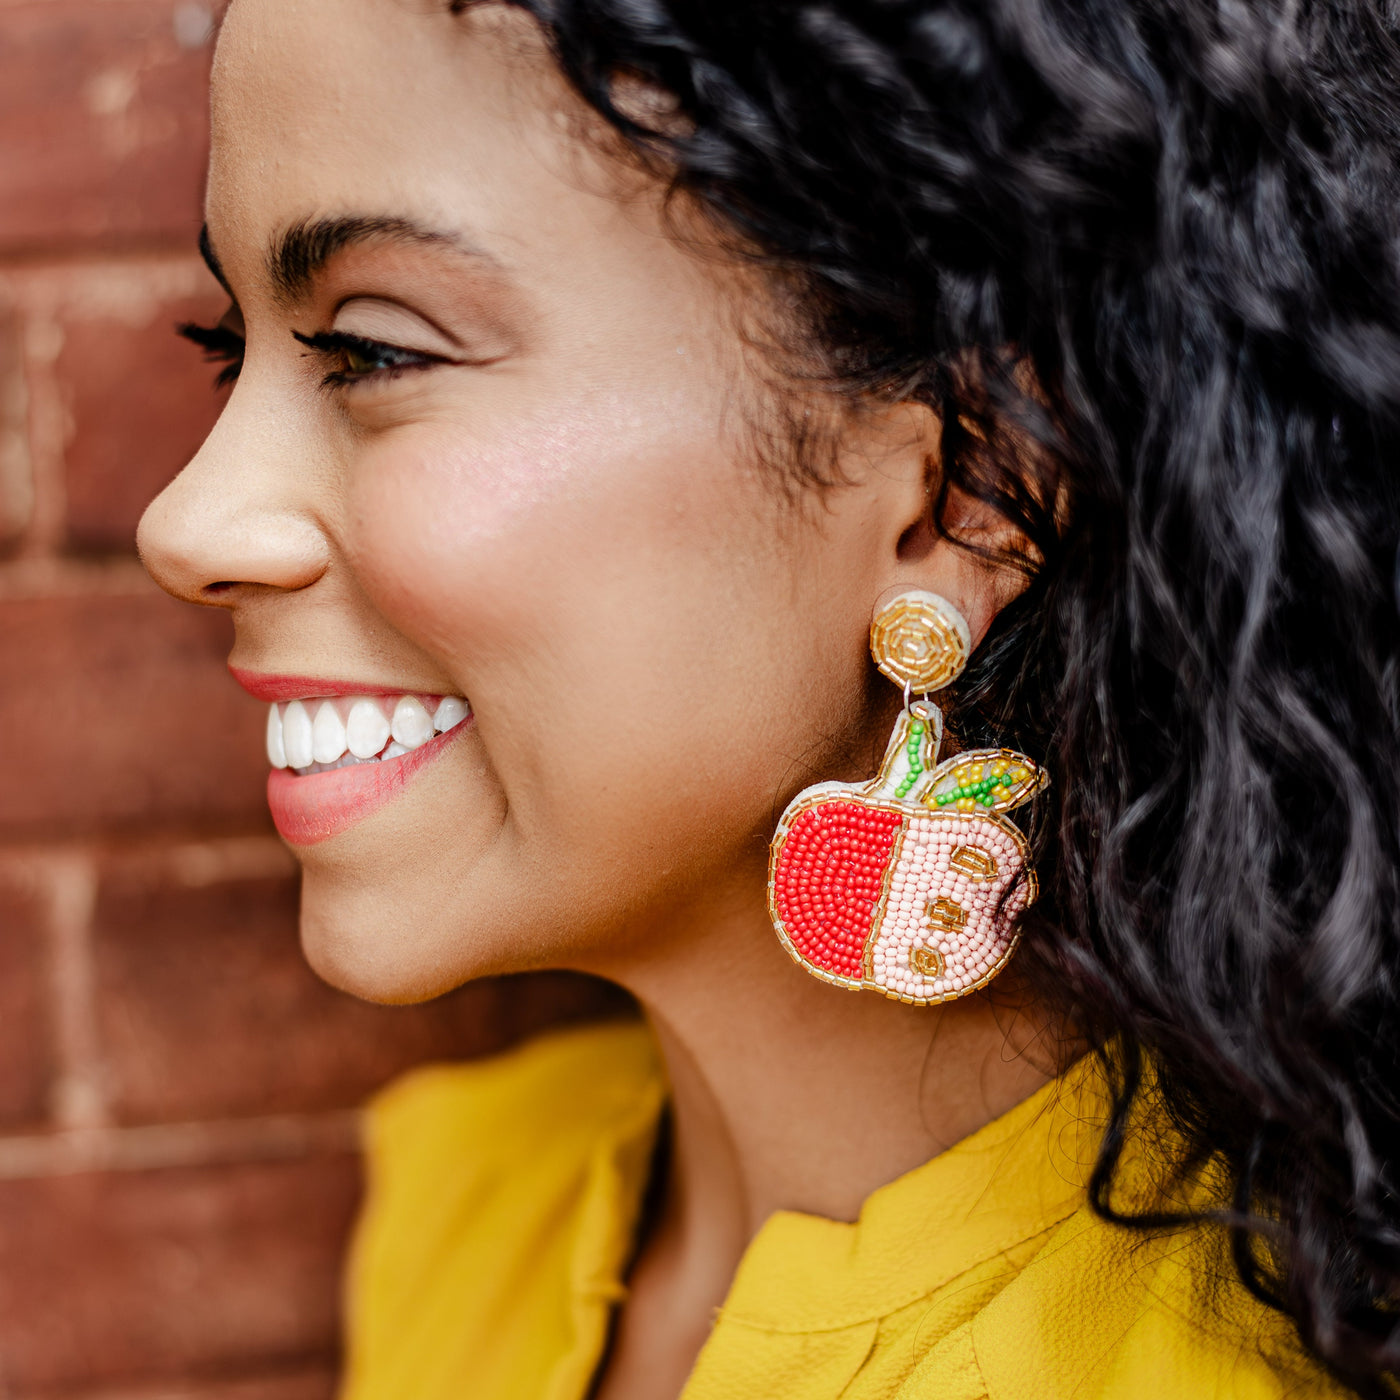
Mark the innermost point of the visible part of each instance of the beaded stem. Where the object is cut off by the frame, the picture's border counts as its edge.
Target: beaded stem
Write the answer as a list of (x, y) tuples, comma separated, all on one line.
[(912, 753), (911, 749)]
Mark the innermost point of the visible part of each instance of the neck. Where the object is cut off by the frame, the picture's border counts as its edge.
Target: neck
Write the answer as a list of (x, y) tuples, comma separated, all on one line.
[(789, 1094)]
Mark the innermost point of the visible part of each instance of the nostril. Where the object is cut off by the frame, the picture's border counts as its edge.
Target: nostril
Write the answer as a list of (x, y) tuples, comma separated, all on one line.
[(207, 540)]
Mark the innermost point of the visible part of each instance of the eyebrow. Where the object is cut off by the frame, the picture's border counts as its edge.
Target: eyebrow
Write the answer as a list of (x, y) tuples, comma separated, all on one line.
[(306, 247)]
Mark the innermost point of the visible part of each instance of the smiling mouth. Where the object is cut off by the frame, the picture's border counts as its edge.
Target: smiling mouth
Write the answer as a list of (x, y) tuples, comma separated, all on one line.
[(320, 734)]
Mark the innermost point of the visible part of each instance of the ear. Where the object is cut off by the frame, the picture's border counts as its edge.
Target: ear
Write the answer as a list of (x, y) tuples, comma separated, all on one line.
[(971, 560)]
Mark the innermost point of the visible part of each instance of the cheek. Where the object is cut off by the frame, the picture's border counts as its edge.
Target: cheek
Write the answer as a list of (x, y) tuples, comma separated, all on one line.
[(440, 528), (595, 557), (468, 516), (615, 535), (615, 604)]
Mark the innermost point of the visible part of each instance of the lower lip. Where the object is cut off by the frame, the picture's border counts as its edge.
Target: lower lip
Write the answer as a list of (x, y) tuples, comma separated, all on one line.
[(321, 805)]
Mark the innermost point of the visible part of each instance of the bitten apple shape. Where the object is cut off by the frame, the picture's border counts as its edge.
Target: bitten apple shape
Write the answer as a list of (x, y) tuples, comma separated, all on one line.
[(909, 885)]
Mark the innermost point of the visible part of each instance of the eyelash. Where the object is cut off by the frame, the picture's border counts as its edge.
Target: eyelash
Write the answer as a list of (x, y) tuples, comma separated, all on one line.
[(221, 345), (396, 360)]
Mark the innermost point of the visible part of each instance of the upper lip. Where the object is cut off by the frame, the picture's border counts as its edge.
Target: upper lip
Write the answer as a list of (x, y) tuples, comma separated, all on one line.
[(272, 687)]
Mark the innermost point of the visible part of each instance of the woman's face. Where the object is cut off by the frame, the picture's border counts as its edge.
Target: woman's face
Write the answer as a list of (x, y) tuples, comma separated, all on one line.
[(514, 465)]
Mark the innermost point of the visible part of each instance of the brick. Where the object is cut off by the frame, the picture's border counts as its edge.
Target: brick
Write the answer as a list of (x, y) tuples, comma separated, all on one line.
[(26, 1046), (208, 1009), (103, 121), (303, 1383), (16, 481), (121, 714), (138, 403), (129, 1276)]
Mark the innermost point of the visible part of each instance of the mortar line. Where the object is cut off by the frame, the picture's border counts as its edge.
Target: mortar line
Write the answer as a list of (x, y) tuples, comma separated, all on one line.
[(41, 339), (78, 1096), (167, 1146)]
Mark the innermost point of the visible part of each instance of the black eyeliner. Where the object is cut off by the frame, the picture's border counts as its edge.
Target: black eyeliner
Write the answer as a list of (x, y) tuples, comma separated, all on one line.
[(394, 358)]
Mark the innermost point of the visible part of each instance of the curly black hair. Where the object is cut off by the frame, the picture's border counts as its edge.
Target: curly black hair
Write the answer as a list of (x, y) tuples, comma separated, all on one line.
[(1180, 221)]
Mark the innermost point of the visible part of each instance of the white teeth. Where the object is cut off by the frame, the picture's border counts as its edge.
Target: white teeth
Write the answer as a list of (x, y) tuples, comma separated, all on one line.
[(296, 736), (276, 754), (450, 713), (367, 731), (327, 734), (411, 725), (296, 740)]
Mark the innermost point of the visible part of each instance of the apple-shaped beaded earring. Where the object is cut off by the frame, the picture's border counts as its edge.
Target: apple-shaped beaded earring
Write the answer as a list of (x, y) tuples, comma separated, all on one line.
[(909, 885)]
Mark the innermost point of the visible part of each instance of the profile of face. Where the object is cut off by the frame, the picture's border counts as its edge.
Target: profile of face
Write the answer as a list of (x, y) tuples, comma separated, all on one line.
[(497, 436)]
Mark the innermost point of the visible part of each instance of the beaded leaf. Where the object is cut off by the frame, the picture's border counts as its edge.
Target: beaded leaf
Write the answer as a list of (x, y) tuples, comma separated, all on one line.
[(984, 780)]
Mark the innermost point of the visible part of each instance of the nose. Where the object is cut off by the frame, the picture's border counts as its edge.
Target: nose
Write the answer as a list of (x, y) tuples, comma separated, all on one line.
[(238, 515)]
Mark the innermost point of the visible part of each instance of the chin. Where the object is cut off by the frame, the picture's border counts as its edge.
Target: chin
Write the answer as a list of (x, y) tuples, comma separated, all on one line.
[(378, 943), (403, 906)]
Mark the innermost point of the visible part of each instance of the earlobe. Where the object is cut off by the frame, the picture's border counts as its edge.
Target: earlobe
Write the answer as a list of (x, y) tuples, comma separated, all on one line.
[(934, 535), (966, 557)]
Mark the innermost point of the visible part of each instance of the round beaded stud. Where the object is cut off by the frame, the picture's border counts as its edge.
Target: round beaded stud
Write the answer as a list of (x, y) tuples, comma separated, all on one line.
[(910, 884), (921, 640)]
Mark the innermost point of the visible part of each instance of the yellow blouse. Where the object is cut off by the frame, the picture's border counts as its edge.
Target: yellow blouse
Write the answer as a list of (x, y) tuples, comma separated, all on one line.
[(503, 1197)]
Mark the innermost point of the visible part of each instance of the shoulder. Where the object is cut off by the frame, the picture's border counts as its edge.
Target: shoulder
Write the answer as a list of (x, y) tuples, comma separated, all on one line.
[(1108, 1313), (1093, 1310), (491, 1170), (507, 1129)]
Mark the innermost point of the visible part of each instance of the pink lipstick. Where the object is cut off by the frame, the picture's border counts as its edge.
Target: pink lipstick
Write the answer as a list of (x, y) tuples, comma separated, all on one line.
[(340, 750), (321, 805)]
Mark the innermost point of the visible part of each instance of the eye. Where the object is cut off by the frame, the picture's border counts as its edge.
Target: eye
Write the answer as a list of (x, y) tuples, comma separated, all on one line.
[(352, 358), (221, 345)]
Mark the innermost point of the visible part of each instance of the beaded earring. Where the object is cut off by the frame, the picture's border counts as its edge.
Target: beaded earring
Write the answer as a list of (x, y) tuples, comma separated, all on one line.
[(909, 885)]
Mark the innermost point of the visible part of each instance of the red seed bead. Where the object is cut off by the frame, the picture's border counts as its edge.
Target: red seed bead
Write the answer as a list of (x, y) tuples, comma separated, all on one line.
[(827, 880)]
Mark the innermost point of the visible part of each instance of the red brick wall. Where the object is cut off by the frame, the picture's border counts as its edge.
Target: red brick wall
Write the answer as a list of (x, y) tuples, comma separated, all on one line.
[(178, 1162)]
